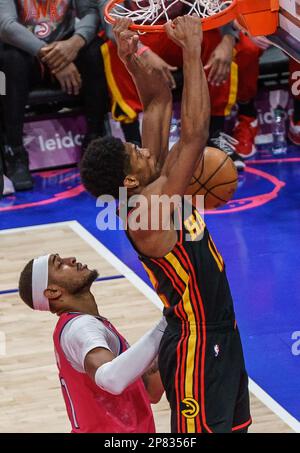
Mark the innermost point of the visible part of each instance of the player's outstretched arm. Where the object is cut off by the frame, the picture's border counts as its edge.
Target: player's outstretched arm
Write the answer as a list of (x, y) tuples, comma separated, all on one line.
[(186, 31), (153, 89), (114, 374)]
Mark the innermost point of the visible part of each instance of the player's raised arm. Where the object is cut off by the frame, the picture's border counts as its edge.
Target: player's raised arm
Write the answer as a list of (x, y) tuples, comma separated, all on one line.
[(154, 91), (186, 32)]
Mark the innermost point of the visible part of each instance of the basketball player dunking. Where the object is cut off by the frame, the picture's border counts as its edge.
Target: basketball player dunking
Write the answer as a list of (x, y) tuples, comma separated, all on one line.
[(200, 359), (100, 376)]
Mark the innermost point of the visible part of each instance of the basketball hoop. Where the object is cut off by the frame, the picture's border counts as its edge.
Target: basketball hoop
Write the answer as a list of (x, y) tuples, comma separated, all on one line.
[(260, 17), (151, 15)]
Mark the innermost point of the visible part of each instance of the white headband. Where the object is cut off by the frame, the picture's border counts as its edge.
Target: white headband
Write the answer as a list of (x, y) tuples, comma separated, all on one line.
[(40, 283)]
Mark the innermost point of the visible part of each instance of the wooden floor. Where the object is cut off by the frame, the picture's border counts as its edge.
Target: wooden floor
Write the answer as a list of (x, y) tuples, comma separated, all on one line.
[(30, 396)]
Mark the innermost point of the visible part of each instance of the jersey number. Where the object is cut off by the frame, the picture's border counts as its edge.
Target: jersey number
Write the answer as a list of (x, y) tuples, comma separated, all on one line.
[(196, 226)]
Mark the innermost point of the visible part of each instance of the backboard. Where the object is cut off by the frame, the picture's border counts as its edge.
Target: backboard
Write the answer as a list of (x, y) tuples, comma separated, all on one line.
[(287, 36)]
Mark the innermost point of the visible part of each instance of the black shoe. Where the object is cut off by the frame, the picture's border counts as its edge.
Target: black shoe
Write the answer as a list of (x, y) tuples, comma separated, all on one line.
[(17, 168), (227, 144)]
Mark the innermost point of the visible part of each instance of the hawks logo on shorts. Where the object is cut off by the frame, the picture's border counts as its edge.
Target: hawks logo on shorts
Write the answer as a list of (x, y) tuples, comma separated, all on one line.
[(190, 408)]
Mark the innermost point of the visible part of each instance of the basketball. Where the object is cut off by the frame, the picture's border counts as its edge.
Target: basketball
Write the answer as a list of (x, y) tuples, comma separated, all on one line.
[(215, 178)]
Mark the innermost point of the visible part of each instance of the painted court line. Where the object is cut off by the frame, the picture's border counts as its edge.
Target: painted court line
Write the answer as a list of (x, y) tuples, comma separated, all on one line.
[(35, 227), (275, 407), (126, 272)]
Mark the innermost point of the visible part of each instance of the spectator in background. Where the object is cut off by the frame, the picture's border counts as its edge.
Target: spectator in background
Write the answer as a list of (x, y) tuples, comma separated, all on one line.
[(43, 44), (248, 51)]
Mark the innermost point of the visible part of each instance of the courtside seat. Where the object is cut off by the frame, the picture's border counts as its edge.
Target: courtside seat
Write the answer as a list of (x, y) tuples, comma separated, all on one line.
[(273, 68), (51, 101), (273, 59), (54, 103), (52, 96)]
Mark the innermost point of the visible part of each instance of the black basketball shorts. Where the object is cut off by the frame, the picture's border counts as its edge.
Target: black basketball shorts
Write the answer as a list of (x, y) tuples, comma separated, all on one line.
[(204, 375)]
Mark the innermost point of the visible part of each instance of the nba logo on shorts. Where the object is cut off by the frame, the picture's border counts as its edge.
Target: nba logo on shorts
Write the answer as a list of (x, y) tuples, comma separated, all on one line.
[(216, 350)]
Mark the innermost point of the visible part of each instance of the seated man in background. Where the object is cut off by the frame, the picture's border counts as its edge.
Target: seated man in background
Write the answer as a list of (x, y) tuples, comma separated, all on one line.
[(44, 46), (100, 374)]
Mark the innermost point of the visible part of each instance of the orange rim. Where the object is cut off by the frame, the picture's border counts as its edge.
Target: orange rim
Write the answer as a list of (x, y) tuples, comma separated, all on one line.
[(208, 23)]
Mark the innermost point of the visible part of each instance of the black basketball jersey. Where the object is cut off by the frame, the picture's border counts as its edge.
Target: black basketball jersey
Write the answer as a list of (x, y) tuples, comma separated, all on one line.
[(191, 280)]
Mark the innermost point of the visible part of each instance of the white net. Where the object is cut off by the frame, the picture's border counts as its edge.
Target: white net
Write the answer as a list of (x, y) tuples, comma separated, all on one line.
[(153, 12)]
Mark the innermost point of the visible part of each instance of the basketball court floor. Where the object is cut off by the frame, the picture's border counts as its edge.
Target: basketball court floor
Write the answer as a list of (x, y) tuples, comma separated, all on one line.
[(258, 235)]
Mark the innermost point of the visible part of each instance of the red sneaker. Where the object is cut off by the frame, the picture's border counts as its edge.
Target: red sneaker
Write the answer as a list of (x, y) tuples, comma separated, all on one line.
[(245, 132), (294, 131)]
